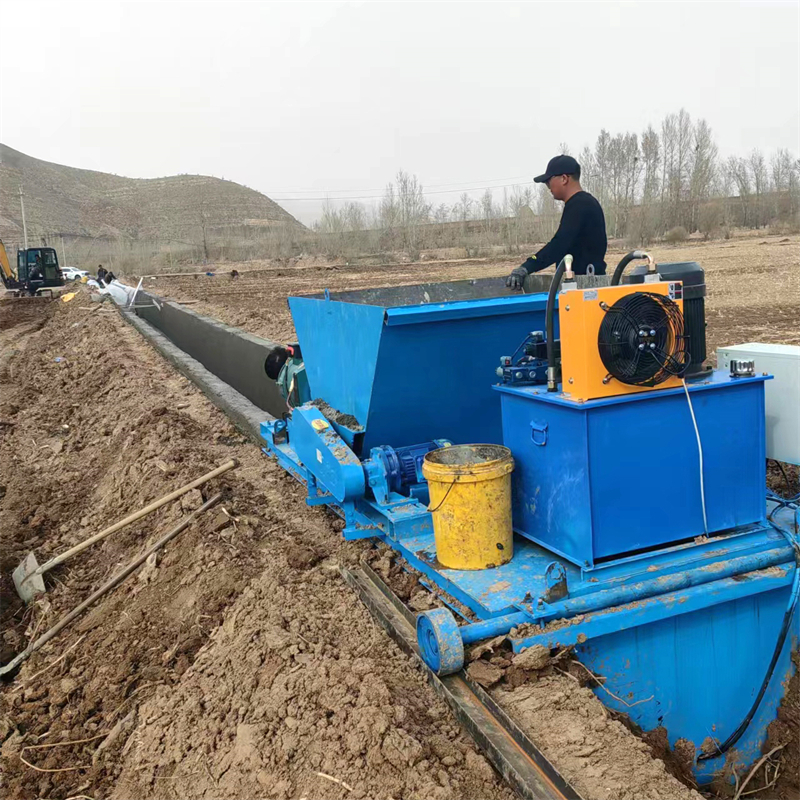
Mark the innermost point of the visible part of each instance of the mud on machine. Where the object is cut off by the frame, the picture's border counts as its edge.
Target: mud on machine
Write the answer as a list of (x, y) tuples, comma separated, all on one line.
[(637, 496)]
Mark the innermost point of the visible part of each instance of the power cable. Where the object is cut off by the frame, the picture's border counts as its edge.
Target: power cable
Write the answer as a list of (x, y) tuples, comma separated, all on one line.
[(720, 749), (700, 453)]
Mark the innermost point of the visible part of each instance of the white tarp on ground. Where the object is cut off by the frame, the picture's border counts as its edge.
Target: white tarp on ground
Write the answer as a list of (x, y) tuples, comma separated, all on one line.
[(120, 293)]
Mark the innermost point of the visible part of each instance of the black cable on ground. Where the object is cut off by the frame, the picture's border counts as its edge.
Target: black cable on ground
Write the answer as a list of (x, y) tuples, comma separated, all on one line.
[(780, 466), (787, 618)]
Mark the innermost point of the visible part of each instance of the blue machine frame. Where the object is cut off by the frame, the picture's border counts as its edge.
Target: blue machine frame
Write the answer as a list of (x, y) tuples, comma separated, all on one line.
[(644, 620)]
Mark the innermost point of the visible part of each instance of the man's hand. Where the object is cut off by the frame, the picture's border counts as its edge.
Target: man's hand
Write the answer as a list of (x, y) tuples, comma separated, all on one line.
[(517, 278)]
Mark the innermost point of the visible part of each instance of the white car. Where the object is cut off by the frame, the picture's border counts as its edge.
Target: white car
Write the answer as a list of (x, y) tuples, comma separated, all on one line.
[(73, 273)]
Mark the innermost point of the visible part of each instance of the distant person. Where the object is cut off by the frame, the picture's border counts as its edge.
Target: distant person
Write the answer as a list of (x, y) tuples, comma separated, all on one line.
[(101, 274), (110, 276), (582, 232), (234, 273)]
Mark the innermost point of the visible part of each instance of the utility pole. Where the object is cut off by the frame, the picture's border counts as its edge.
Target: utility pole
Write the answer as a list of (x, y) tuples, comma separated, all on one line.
[(63, 249), (24, 224)]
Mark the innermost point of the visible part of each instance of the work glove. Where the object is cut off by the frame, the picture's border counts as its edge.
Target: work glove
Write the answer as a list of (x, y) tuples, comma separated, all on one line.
[(517, 278)]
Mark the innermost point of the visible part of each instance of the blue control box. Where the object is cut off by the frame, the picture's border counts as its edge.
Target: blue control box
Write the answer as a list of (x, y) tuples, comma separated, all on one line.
[(606, 478)]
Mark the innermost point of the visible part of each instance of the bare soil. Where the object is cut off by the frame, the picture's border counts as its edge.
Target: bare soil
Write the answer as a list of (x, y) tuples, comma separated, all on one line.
[(239, 664), (601, 756)]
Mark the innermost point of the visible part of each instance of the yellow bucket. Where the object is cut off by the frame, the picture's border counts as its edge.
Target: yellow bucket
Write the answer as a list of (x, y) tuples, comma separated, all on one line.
[(470, 487)]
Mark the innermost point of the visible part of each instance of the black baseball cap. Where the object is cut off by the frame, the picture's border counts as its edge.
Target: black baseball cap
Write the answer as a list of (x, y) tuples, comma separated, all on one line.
[(560, 165)]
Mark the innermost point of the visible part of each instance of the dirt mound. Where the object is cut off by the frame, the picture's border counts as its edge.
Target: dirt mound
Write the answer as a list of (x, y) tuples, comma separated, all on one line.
[(296, 682), (28, 311), (599, 755), (97, 426), (89, 439)]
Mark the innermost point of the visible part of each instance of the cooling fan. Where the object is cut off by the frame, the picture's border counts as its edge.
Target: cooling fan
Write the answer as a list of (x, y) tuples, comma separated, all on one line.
[(641, 340)]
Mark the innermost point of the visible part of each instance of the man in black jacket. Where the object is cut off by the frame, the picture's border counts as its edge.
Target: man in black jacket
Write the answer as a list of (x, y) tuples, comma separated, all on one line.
[(582, 231)]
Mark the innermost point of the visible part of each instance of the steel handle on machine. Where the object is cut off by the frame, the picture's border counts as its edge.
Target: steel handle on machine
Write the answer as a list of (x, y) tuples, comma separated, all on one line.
[(154, 506), (539, 433)]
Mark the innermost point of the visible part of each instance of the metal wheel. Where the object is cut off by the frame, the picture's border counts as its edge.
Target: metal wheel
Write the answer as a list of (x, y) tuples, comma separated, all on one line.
[(440, 641)]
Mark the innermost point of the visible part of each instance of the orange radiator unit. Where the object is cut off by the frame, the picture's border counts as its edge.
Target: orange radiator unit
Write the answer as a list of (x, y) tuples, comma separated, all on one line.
[(617, 341)]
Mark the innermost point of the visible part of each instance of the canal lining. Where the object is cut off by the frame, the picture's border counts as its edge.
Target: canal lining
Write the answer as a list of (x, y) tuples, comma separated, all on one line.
[(232, 355)]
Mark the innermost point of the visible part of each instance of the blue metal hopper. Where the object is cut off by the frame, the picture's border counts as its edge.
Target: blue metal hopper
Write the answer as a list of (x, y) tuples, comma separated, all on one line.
[(415, 363)]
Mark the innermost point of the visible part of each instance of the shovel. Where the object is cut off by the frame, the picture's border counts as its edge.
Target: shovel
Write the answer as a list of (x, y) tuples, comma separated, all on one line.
[(107, 587), (28, 576)]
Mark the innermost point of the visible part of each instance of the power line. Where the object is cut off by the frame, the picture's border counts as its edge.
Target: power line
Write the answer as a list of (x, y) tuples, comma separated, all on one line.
[(379, 196), (379, 188)]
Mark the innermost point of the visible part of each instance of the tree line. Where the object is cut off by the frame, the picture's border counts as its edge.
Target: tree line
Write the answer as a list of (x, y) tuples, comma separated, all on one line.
[(668, 181), (673, 177)]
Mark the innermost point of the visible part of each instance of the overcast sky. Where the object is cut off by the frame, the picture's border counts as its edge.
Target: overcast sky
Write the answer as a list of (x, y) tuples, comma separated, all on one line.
[(330, 97)]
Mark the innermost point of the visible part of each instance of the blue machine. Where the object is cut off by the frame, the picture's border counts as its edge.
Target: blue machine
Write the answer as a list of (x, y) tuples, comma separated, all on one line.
[(604, 477), (528, 364), (677, 597)]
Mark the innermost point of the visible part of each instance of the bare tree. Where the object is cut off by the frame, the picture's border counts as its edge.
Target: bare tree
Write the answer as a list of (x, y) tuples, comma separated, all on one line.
[(462, 210), (388, 216), (487, 206), (758, 171), (668, 139), (442, 213), (645, 219), (704, 165), (739, 172), (785, 171)]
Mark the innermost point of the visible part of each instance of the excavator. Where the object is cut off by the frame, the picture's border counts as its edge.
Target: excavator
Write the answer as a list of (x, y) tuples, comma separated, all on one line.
[(37, 271)]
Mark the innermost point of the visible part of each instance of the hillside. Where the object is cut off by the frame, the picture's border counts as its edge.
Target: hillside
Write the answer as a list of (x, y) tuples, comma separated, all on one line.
[(80, 202)]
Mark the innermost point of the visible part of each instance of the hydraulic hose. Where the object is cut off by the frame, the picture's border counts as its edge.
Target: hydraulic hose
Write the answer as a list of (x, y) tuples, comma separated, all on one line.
[(632, 256), (565, 266), (787, 618)]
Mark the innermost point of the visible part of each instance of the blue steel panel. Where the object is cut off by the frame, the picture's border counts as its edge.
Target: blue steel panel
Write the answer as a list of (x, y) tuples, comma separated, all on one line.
[(613, 619), (467, 309), (339, 342), (433, 380), (710, 382), (697, 674), (646, 473), (628, 472), (488, 592), (325, 454), (550, 483), (399, 370)]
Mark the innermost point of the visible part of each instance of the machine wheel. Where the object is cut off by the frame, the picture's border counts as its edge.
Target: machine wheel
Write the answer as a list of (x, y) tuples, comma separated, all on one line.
[(440, 641)]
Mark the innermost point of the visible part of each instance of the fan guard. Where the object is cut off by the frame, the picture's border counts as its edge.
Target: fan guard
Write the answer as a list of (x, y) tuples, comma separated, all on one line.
[(641, 340)]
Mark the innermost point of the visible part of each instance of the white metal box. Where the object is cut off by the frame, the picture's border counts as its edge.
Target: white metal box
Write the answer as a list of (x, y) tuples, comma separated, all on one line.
[(782, 394)]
